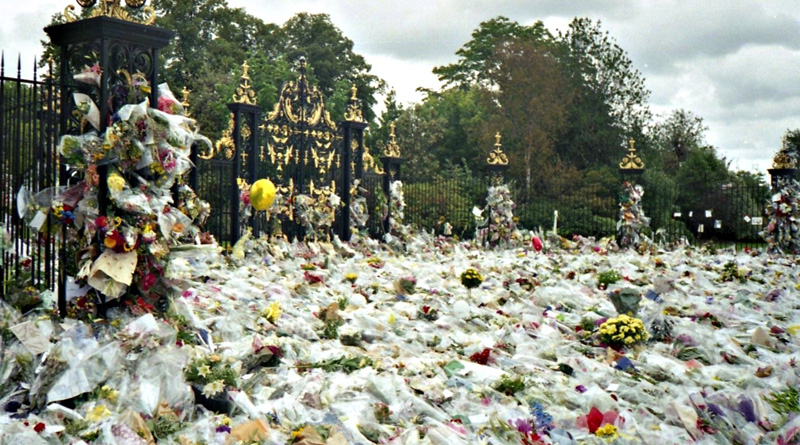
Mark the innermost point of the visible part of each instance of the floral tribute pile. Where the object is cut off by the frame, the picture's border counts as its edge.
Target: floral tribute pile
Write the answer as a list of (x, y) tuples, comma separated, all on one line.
[(782, 232), (440, 343), (124, 252), (498, 225), (632, 222)]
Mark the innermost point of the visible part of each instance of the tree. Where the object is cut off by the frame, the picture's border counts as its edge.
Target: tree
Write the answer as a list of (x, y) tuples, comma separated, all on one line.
[(607, 71), (703, 173), (677, 136), (331, 61), (474, 65), (210, 45), (791, 143), (530, 104)]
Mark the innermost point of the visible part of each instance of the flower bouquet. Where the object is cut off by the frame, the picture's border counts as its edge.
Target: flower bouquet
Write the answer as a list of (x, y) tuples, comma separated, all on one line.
[(622, 332), (210, 376), (471, 279), (406, 285)]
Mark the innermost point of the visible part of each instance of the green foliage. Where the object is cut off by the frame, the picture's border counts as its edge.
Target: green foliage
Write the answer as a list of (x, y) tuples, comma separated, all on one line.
[(608, 277), (731, 272), (784, 402), (344, 364), (473, 65), (208, 369), (608, 72), (679, 134), (792, 138), (699, 176), (331, 60), (509, 385)]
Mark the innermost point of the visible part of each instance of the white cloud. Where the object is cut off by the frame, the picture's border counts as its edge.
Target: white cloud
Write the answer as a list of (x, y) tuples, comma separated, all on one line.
[(732, 62)]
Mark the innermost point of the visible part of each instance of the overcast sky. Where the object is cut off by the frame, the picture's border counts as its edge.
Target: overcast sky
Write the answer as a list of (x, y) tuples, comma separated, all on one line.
[(735, 63)]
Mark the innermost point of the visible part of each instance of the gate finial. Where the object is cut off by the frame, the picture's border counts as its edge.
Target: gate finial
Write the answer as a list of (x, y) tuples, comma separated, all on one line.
[(244, 93), (112, 8), (353, 111), (497, 157), (631, 161), (392, 149)]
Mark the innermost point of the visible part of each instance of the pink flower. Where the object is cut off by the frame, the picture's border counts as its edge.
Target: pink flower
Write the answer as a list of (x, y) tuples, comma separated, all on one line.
[(166, 105)]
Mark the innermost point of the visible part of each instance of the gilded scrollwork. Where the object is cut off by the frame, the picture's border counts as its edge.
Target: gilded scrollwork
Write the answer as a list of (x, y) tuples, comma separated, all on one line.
[(299, 130), (631, 161), (497, 157), (392, 148), (113, 8)]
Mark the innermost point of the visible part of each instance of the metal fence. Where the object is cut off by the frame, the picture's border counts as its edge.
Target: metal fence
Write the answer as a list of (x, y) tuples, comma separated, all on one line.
[(28, 166), (730, 213)]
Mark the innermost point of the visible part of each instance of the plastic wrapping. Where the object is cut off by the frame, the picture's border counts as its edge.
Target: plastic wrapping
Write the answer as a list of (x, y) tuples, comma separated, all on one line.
[(355, 360)]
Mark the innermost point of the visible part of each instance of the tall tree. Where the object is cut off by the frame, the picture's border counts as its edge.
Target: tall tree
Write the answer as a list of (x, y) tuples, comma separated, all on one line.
[(331, 61), (791, 143), (702, 174), (530, 104), (679, 134), (607, 71), (212, 41), (475, 57)]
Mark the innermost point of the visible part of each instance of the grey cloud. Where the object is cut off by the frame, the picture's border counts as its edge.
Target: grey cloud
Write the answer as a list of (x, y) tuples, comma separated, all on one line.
[(660, 34)]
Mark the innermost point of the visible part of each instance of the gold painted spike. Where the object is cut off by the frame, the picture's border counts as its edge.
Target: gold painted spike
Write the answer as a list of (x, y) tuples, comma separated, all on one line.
[(244, 93), (497, 157), (783, 160), (392, 149), (353, 91), (113, 8), (631, 161), (353, 112), (185, 102)]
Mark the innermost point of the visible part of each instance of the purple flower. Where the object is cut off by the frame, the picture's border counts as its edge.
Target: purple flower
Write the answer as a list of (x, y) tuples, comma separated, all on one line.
[(223, 429), (686, 340), (524, 426), (747, 409), (716, 410), (581, 389)]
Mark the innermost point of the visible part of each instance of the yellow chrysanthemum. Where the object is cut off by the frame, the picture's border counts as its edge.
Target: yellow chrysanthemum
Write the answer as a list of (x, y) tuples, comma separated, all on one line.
[(608, 431), (98, 413), (115, 182), (273, 312)]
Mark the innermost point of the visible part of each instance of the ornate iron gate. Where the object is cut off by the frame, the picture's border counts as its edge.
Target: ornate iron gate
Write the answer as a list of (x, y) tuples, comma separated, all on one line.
[(312, 161)]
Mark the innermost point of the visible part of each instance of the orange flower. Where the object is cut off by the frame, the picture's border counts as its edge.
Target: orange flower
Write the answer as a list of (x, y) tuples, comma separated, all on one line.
[(110, 242)]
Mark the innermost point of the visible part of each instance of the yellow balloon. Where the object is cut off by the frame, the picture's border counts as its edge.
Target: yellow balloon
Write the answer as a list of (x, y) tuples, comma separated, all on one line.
[(262, 194)]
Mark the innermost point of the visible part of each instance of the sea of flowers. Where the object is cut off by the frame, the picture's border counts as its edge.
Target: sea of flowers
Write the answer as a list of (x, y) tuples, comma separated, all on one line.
[(367, 342)]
